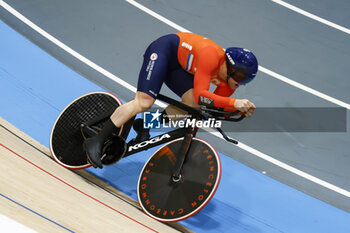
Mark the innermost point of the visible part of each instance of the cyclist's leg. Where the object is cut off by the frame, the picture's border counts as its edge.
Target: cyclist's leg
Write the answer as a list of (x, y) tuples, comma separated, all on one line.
[(140, 103), (151, 78), (188, 98), (157, 58), (181, 83)]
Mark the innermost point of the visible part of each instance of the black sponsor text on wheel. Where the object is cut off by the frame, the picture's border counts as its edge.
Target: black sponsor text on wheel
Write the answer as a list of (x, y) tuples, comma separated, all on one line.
[(168, 199)]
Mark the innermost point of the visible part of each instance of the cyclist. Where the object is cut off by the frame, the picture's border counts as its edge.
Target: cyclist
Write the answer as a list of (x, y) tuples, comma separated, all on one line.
[(187, 63)]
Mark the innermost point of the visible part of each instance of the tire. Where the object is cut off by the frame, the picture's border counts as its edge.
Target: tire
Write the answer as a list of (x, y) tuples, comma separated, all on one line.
[(168, 201), (66, 138)]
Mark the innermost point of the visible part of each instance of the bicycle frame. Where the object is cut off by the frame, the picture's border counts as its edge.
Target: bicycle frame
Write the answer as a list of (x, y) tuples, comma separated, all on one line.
[(133, 148), (169, 136), (187, 133)]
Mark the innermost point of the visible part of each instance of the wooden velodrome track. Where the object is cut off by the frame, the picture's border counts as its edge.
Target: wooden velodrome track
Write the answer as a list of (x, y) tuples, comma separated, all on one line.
[(38, 193)]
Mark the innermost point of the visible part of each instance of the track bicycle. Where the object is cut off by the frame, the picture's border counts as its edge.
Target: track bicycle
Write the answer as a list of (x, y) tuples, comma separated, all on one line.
[(176, 182)]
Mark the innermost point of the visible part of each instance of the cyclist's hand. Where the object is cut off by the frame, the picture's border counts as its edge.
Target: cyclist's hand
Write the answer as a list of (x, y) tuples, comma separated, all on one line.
[(245, 106)]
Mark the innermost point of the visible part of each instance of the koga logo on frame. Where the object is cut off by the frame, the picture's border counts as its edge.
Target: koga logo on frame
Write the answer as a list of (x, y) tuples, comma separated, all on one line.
[(151, 141)]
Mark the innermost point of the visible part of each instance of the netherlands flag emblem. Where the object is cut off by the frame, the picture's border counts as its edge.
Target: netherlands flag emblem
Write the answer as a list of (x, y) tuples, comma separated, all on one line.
[(189, 61)]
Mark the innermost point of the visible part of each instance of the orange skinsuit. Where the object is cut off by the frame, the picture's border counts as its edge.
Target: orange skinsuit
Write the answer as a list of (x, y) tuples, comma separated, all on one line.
[(203, 57)]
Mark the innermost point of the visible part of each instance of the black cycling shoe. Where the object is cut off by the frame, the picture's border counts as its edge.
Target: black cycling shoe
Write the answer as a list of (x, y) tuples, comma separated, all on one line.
[(142, 133), (93, 148)]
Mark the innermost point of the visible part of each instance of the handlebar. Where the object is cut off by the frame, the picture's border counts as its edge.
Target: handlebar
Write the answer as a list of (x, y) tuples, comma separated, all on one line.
[(220, 114), (206, 112)]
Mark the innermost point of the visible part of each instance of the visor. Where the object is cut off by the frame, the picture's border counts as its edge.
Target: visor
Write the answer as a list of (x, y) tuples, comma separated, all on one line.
[(237, 74)]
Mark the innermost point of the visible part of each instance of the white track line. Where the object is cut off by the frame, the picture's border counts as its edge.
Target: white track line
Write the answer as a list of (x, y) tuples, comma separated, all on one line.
[(312, 16), (262, 69), (133, 89), (304, 88), (288, 167), (65, 47), (294, 170), (70, 51)]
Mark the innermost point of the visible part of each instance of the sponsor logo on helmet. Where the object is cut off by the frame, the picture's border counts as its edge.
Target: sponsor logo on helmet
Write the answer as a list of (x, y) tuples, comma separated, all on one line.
[(230, 59)]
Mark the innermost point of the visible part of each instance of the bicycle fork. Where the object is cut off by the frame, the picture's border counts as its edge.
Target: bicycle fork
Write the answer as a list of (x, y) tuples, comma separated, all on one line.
[(182, 153)]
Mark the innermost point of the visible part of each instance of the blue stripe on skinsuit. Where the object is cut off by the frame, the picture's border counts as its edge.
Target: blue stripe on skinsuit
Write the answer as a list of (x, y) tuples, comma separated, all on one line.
[(188, 60)]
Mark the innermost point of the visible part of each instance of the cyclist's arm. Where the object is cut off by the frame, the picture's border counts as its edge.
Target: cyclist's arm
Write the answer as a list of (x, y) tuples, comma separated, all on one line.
[(224, 90), (207, 62)]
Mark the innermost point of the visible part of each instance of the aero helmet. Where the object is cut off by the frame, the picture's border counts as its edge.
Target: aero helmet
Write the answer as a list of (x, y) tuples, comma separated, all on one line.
[(241, 60)]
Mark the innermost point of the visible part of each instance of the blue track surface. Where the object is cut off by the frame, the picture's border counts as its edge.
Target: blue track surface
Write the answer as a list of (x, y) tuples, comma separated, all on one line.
[(34, 88)]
